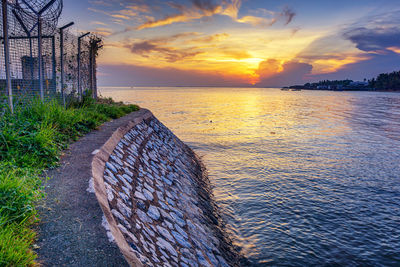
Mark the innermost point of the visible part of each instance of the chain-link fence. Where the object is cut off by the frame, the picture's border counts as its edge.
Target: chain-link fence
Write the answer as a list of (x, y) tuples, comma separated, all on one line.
[(44, 61)]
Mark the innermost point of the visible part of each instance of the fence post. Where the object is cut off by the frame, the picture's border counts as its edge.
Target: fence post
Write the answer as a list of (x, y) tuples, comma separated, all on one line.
[(53, 59), (79, 65), (62, 59), (7, 54), (40, 59), (94, 47), (79, 70), (94, 79), (91, 66), (62, 64), (94, 75)]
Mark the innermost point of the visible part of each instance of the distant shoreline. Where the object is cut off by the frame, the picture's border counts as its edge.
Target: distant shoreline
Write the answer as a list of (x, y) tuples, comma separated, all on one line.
[(292, 88)]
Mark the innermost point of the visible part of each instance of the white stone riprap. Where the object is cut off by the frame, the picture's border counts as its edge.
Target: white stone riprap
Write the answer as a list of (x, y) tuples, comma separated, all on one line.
[(161, 201)]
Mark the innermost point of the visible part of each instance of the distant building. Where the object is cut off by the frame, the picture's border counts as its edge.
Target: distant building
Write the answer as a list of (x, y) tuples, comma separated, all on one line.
[(358, 84)]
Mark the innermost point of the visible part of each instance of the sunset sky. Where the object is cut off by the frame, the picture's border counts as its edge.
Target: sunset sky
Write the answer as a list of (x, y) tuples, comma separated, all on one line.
[(239, 42)]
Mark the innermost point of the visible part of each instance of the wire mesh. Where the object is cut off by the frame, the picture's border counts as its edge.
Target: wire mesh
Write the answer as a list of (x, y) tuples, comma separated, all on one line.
[(24, 57), (70, 59), (85, 66)]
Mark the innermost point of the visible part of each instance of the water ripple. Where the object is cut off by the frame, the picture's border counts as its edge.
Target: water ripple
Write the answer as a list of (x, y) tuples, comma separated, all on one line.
[(302, 179)]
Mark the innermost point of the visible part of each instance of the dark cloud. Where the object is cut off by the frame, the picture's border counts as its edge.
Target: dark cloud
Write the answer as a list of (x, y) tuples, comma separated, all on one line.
[(293, 72), (368, 69), (288, 14), (164, 47), (144, 47), (207, 5), (374, 36), (374, 39), (374, 33), (170, 54)]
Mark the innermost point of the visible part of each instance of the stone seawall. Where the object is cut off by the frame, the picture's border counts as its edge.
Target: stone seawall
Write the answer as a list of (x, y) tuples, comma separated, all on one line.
[(157, 200)]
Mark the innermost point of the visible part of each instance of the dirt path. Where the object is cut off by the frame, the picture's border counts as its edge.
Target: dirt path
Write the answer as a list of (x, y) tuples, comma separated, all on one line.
[(70, 233)]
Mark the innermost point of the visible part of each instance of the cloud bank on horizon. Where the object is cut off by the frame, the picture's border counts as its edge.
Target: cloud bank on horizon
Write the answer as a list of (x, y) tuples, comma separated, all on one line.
[(240, 43)]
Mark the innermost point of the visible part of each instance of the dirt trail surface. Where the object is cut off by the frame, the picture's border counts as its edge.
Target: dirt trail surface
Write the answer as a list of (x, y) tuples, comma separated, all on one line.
[(70, 232)]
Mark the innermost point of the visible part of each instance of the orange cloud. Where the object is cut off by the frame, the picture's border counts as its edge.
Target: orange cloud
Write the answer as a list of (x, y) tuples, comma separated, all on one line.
[(275, 73), (187, 14), (269, 68), (140, 8), (395, 49), (257, 21), (168, 20), (103, 31), (119, 16), (208, 39), (236, 53), (335, 63), (201, 9)]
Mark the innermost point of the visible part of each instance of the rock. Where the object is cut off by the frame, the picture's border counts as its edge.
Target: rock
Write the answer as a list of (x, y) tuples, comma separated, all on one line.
[(143, 217), (128, 176), (164, 254), (119, 155), (167, 246), (178, 212), (148, 194), (124, 197), (166, 215), (127, 193), (150, 232), (110, 180), (168, 182), (222, 262), (181, 231), (141, 205), (139, 195), (163, 205), (127, 212), (170, 195), (181, 240), (148, 187), (165, 233), (125, 231), (153, 212), (160, 195), (111, 167), (202, 260), (120, 217), (122, 179), (169, 225), (212, 258), (110, 195)]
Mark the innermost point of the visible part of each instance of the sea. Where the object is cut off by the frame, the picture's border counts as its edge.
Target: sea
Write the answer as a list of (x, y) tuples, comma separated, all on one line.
[(301, 178)]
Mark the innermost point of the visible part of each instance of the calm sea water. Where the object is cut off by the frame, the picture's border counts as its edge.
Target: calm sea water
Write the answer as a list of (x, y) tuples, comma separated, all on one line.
[(302, 178)]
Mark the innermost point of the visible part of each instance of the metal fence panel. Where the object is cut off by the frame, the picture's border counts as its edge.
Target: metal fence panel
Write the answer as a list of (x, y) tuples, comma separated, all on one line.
[(24, 60)]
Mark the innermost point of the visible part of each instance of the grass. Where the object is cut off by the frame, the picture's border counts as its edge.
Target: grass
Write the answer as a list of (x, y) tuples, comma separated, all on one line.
[(31, 141)]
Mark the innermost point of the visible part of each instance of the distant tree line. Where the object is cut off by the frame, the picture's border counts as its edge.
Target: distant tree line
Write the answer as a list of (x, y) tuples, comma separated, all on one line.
[(346, 82), (384, 82)]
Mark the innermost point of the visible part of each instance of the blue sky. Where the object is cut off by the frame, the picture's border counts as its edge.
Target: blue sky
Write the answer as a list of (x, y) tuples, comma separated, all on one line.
[(239, 42)]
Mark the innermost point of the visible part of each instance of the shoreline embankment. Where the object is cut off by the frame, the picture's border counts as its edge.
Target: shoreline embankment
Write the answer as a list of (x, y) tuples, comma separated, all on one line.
[(157, 199)]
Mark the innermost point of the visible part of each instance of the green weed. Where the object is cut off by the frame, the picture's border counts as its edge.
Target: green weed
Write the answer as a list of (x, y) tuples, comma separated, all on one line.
[(31, 140)]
